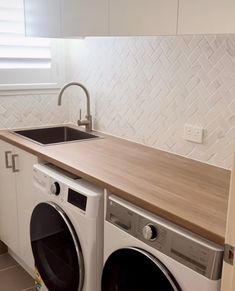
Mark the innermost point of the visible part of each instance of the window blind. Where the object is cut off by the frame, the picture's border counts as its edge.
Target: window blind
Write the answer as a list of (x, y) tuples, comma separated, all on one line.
[(17, 51), (26, 63)]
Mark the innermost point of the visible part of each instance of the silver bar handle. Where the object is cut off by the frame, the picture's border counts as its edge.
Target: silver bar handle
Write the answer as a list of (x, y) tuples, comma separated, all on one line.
[(7, 164), (14, 169)]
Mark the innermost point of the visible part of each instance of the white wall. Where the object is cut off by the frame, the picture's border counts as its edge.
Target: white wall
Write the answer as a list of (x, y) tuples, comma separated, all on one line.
[(145, 89)]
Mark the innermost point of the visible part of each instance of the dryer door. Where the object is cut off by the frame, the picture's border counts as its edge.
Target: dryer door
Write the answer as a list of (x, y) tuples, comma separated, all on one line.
[(56, 248), (133, 269)]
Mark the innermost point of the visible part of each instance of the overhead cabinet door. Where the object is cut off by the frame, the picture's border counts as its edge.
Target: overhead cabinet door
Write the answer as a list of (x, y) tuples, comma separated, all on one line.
[(66, 18), (138, 17), (84, 17), (42, 18), (206, 16)]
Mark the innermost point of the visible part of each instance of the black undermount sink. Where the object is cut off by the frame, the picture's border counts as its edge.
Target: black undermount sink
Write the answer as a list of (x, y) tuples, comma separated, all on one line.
[(54, 135)]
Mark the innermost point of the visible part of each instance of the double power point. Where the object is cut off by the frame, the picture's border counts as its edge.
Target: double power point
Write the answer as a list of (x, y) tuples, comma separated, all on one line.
[(193, 133)]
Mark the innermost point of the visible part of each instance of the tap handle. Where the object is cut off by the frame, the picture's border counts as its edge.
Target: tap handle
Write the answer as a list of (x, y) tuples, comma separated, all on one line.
[(80, 114)]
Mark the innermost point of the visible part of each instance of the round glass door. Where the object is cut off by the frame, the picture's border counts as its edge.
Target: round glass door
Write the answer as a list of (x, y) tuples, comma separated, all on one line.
[(132, 269), (56, 248)]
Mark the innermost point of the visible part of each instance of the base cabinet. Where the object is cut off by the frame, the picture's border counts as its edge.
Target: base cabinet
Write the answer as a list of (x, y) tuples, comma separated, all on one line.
[(16, 167), (24, 192), (8, 199)]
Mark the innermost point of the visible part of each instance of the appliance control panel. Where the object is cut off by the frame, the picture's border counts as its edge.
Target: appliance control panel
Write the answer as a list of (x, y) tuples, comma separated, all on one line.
[(62, 187), (48, 184), (190, 249)]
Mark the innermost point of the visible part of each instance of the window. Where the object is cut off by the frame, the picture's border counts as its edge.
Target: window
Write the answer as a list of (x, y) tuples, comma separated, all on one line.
[(26, 63)]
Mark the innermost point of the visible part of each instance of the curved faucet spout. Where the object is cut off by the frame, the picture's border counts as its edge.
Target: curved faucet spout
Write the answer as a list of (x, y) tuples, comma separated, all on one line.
[(88, 121)]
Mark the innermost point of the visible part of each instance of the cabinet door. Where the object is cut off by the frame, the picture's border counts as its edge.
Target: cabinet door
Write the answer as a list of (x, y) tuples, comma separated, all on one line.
[(206, 16), (8, 204), (66, 18), (84, 18), (24, 178), (138, 17), (42, 18)]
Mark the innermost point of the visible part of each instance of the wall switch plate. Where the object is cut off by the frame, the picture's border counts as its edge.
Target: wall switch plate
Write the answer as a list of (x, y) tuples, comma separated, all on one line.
[(193, 133)]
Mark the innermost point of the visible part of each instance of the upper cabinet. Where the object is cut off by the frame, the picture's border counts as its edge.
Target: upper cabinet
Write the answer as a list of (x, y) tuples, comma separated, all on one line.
[(138, 17), (206, 16), (74, 18), (66, 18)]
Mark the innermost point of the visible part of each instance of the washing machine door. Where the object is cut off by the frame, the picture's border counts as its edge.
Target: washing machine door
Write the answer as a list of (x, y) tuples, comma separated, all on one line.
[(133, 269), (56, 248)]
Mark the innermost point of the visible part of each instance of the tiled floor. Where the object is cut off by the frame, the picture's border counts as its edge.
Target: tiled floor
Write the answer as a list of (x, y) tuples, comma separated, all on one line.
[(13, 277)]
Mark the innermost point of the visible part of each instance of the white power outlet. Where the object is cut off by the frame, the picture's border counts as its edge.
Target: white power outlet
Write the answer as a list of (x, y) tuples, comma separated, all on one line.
[(193, 133)]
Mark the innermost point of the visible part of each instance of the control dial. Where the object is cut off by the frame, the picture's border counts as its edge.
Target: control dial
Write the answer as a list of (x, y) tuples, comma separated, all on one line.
[(149, 232), (55, 188)]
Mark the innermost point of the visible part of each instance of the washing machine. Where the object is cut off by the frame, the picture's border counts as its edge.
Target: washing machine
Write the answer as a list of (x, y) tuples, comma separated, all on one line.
[(66, 231), (143, 252)]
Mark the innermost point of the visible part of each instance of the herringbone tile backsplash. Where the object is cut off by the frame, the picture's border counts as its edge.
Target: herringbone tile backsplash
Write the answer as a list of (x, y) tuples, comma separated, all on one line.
[(145, 89), (37, 110)]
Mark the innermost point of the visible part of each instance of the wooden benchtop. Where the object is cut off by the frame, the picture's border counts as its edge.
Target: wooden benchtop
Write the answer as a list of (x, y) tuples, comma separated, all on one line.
[(192, 194)]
